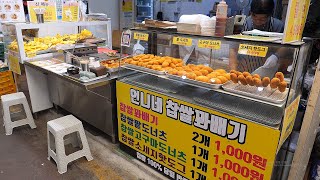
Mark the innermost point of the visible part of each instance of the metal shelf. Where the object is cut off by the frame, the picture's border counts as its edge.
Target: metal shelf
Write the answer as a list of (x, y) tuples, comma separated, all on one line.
[(144, 6), (144, 16)]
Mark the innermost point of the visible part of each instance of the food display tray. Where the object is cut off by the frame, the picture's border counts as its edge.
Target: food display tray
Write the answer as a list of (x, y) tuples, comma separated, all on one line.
[(143, 69), (266, 94), (113, 70), (195, 83), (77, 78)]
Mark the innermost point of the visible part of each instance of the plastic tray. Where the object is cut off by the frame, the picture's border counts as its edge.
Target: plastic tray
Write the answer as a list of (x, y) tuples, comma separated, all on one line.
[(196, 83), (266, 94), (143, 69)]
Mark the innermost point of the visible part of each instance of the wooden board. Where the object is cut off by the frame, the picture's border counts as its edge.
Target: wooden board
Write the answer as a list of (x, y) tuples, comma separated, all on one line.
[(308, 132)]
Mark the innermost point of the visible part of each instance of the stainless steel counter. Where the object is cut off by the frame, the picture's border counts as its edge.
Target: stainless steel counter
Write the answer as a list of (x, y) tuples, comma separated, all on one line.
[(93, 102)]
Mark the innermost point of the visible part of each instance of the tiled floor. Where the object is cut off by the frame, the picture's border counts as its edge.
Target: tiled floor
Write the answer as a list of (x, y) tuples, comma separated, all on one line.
[(23, 155)]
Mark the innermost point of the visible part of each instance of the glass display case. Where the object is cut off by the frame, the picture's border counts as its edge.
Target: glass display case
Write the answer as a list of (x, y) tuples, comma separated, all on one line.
[(224, 107), (33, 41), (199, 62)]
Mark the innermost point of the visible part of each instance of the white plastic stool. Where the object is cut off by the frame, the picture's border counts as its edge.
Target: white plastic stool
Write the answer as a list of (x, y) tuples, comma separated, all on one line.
[(11, 100), (59, 128)]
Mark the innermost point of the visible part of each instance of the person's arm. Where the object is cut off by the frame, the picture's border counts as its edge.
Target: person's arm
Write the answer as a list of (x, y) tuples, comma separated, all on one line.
[(272, 60)]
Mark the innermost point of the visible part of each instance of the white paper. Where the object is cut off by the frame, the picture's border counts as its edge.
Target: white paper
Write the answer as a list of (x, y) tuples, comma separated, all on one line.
[(11, 11)]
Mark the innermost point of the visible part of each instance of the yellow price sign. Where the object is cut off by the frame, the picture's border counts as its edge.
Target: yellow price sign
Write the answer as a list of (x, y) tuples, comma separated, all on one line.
[(182, 41), (31, 54), (70, 11), (288, 120), (14, 64), (141, 36), (50, 13), (211, 44), (251, 50), (206, 145)]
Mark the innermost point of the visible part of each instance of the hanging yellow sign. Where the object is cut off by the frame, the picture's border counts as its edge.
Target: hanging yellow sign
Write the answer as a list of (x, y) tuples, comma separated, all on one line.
[(14, 64), (126, 5), (70, 11), (295, 20), (288, 120), (211, 44), (187, 141), (49, 8), (141, 36), (251, 50), (182, 41)]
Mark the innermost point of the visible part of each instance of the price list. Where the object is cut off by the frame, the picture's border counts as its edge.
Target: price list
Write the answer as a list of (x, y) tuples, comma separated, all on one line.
[(186, 141)]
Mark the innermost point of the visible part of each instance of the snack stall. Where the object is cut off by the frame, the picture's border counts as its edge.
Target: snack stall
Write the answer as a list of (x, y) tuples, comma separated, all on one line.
[(69, 65), (195, 112)]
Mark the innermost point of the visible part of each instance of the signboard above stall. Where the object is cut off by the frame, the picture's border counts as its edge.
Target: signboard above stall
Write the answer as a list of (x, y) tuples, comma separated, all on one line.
[(48, 9), (295, 20), (187, 141), (70, 11)]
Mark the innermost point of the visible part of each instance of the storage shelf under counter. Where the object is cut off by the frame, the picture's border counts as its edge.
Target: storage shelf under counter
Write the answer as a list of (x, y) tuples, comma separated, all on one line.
[(93, 102)]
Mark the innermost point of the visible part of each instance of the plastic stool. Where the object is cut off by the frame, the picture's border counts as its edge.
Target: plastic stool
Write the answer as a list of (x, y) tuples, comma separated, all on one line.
[(11, 100), (59, 128)]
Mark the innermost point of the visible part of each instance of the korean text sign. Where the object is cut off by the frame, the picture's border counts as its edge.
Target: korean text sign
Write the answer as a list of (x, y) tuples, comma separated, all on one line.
[(295, 20), (50, 13), (251, 50), (186, 141), (70, 11)]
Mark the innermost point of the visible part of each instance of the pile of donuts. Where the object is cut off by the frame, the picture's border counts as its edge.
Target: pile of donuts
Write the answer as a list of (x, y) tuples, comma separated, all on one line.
[(176, 66), (201, 73), (245, 78), (153, 62)]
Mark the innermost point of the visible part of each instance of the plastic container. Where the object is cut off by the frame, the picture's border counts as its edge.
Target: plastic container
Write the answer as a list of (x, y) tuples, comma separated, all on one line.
[(221, 21)]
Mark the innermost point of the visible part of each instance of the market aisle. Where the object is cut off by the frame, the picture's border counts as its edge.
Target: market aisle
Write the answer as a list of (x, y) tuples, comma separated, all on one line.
[(23, 155)]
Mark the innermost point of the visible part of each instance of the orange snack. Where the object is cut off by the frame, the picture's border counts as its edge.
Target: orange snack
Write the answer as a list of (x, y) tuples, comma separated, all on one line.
[(215, 81), (256, 76), (172, 65), (282, 86), (265, 81), (209, 69), (234, 77), (198, 73), (202, 79), (239, 73), (242, 79), (223, 79), (182, 73), (221, 71), (191, 75), (204, 72), (274, 83), (280, 76), (165, 64), (245, 74), (234, 71), (173, 72), (257, 82), (249, 80), (227, 76), (179, 64), (179, 69), (212, 75)]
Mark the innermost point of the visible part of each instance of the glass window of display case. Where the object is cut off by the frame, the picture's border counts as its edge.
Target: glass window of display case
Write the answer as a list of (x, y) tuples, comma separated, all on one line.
[(249, 79), (33, 41)]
